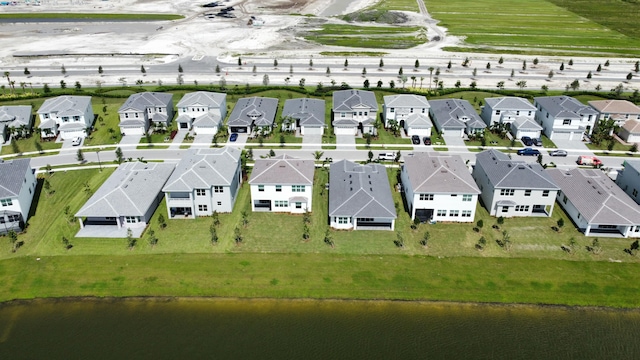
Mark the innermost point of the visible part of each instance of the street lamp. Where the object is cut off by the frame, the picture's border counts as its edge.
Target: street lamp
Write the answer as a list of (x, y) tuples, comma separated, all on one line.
[(99, 163)]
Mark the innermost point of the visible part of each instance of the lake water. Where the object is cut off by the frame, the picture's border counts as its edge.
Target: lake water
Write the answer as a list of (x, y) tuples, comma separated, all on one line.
[(280, 329)]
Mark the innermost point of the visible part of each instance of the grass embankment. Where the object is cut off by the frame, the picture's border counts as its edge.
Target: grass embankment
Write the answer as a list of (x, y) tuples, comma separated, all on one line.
[(374, 37), (539, 27), (92, 16)]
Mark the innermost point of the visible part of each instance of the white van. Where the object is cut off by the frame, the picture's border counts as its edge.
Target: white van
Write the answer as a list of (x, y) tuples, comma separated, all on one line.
[(387, 156)]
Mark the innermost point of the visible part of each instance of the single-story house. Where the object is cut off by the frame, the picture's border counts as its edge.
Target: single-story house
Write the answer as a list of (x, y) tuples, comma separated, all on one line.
[(455, 116), (253, 114), (305, 114), (15, 119)]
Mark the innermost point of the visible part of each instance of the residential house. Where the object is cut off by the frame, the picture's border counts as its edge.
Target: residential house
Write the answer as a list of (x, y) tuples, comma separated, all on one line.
[(15, 120), (68, 116), (282, 184), (203, 111), (439, 188), (17, 188), (617, 110), (564, 118), (305, 114), (353, 111), (518, 114), (360, 197), (205, 180), (513, 188), (410, 111), (455, 117), (630, 131), (253, 114), (629, 179), (596, 204), (144, 110), (127, 200)]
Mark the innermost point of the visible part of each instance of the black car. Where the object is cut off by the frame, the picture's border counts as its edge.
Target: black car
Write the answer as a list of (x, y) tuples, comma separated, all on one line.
[(415, 139), (527, 141), (537, 142), (528, 152), (426, 140)]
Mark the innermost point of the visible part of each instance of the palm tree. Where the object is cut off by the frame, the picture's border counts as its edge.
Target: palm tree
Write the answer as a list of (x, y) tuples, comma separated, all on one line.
[(318, 155), (6, 74), (23, 85), (430, 73)]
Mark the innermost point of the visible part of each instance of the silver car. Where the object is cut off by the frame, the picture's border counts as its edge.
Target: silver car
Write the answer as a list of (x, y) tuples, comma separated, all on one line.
[(558, 153)]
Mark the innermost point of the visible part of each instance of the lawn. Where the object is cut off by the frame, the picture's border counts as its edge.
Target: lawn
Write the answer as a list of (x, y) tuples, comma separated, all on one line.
[(404, 5), (375, 37), (106, 129), (29, 145), (540, 27)]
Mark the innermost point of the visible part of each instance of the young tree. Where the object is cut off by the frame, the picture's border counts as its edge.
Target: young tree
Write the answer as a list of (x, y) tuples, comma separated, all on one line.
[(599, 68), (400, 71), (63, 85), (606, 63), (162, 223), (237, 236), (571, 62), (265, 80), (501, 60), (131, 241), (119, 156), (78, 86), (416, 65), (153, 239), (562, 67), (589, 75), (474, 72), (636, 66), (310, 63), (521, 84), (381, 64), (366, 83), (239, 61), (535, 61), (143, 70), (550, 75), (63, 70), (100, 71), (290, 69), (488, 67), (500, 85), (13, 239), (575, 84), (425, 239), (379, 84), (364, 71), (512, 73), (524, 65), (346, 63), (254, 70), (27, 72), (213, 231), (629, 76), (449, 65), (80, 156)]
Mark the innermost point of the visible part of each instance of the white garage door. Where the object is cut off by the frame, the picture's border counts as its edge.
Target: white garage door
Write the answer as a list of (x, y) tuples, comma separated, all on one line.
[(419, 132), (65, 135), (531, 134), (306, 130), (344, 131), (132, 131), (205, 130), (561, 136)]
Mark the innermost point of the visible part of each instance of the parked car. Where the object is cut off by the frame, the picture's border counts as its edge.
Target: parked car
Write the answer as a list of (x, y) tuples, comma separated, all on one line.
[(76, 141), (527, 141), (233, 137), (558, 153), (426, 140), (387, 156), (589, 160), (537, 142), (415, 140), (528, 152)]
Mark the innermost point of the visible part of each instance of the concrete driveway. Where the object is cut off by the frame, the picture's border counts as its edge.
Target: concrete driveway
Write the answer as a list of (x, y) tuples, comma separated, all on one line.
[(66, 144), (573, 145), (312, 140), (455, 140), (130, 140), (345, 142), (203, 140)]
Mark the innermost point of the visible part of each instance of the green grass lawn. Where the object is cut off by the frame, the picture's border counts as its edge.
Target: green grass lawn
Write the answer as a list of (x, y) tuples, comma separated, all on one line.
[(28, 145), (539, 27), (375, 37), (106, 129), (404, 5)]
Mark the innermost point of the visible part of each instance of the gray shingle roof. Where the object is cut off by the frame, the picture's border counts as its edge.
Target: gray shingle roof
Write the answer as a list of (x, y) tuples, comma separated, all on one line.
[(360, 191), (12, 176), (509, 103), (129, 191), (65, 105), (505, 173), (635, 164), (142, 101), (564, 106), (455, 113), (417, 120), (262, 110), (597, 197), (523, 123), (346, 100), (207, 120), (406, 100), (202, 98), (204, 168), (435, 173), (15, 116), (283, 170), (310, 112)]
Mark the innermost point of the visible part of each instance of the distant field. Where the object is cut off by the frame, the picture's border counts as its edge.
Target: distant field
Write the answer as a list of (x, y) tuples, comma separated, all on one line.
[(375, 37), (80, 16), (541, 27), (404, 5)]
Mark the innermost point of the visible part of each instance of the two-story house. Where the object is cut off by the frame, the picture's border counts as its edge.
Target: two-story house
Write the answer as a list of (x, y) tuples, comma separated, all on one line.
[(282, 184), (15, 119), (513, 188), (253, 114), (68, 116), (353, 111), (455, 117), (629, 179), (564, 118), (144, 110), (439, 188), (17, 188), (410, 111), (203, 111), (360, 197), (205, 180), (596, 204), (517, 113), (617, 110), (305, 114)]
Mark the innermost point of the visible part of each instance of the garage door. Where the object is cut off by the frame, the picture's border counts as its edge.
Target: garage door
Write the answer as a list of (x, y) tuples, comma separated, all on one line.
[(306, 130), (531, 134), (132, 131), (419, 132), (238, 129), (561, 136), (344, 131), (65, 135), (205, 130)]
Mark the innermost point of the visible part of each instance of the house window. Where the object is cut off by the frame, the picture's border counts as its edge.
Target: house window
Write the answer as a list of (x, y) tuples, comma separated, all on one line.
[(366, 113), (564, 199), (497, 112), (130, 219), (76, 118), (566, 122), (505, 209), (219, 203), (126, 115), (527, 193), (260, 187), (298, 205), (454, 212), (507, 192), (297, 188), (6, 202), (279, 188), (467, 197), (517, 112), (218, 189), (2, 220), (442, 213), (545, 193), (343, 115), (13, 218), (46, 116), (522, 208), (634, 192), (392, 110), (202, 208), (201, 192), (466, 213), (65, 119), (411, 110), (281, 203), (424, 110), (343, 220), (137, 115), (426, 197)]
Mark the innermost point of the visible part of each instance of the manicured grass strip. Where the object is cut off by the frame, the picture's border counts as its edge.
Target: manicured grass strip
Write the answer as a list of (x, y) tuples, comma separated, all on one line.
[(325, 276), (93, 16), (385, 37)]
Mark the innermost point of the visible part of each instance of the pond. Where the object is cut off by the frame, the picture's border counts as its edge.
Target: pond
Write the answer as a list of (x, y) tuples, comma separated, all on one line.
[(307, 329)]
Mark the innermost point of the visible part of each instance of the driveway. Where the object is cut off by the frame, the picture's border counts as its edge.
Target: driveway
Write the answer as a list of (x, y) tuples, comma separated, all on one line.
[(130, 140), (314, 139), (345, 142), (66, 144), (573, 145), (203, 140), (455, 143)]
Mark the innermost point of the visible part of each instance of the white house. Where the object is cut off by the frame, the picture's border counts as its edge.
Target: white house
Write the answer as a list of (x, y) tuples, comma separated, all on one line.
[(629, 179), (353, 111), (513, 188), (455, 117), (203, 111), (618, 110), (439, 187), (517, 113), (596, 204), (204, 181), (15, 118), (17, 188), (141, 110), (564, 118), (68, 116), (410, 111), (360, 197), (305, 114), (282, 184)]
